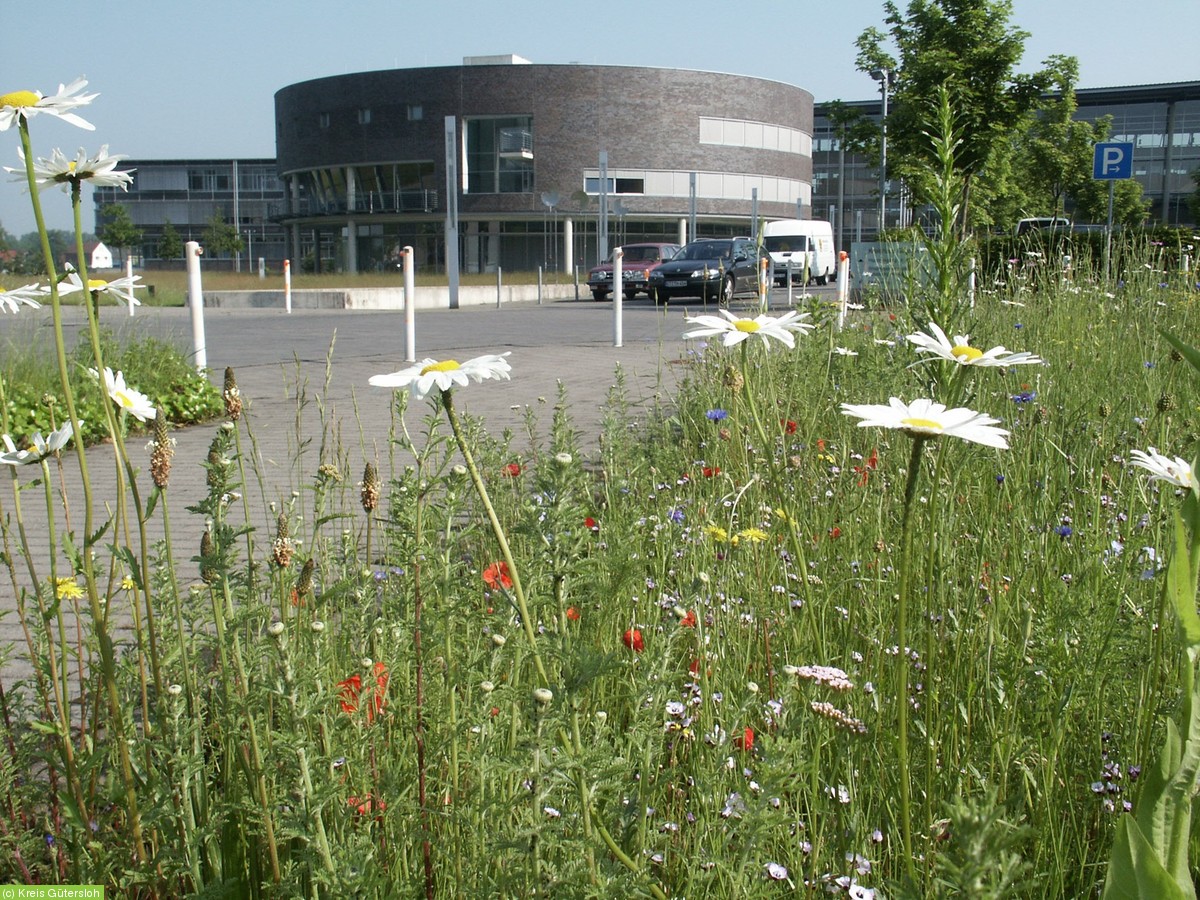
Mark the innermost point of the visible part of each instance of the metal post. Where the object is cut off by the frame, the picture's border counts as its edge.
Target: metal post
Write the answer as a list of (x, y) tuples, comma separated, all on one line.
[(451, 135), (499, 284), (129, 274), (971, 283), (192, 251), (789, 280), (884, 77), (602, 225), (262, 268), (843, 286), (287, 286), (763, 291), (754, 215), (691, 232), (618, 296), (539, 285), (410, 307)]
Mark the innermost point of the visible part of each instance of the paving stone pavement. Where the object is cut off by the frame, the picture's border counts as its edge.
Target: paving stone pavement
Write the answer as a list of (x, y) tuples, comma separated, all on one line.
[(279, 357)]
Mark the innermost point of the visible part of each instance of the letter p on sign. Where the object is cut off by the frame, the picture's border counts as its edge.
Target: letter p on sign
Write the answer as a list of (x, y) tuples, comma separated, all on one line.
[(1113, 161)]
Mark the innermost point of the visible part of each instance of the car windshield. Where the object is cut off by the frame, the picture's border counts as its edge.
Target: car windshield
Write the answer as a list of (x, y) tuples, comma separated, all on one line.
[(706, 250), (641, 254), (785, 243)]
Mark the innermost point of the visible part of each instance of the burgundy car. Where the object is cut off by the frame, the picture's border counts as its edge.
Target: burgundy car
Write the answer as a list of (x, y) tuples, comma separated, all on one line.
[(636, 264)]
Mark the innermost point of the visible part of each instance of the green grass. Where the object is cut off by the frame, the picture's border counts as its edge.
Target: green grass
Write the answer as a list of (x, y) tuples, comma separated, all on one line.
[(1041, 665)]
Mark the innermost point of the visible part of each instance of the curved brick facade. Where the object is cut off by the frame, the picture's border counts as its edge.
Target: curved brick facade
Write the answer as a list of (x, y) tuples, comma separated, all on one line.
[(369, 148)]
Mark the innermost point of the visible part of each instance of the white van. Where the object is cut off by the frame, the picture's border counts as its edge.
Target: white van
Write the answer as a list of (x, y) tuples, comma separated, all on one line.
[(801, 242)]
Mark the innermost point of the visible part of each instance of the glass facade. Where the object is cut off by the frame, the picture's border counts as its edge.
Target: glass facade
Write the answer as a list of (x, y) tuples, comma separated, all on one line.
[(499, 155)]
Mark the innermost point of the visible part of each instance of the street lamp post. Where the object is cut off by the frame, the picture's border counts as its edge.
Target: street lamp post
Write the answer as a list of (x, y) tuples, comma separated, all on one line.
[(886, 79)]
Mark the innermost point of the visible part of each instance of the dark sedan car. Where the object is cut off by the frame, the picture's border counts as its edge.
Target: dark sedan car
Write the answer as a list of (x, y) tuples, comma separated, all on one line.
[(710, 268)]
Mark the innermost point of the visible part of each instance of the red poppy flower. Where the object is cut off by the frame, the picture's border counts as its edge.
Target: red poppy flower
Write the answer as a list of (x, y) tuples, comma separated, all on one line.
[(745, 741), (689, 621), (351, 689), (835, 533), (710, 471), (821, 445), (694, 668), (573, 614), (590, 524), (869, 465), (789, 427), (633, 640), (512, 470), (496, 576), (366, 805), (495, 711)]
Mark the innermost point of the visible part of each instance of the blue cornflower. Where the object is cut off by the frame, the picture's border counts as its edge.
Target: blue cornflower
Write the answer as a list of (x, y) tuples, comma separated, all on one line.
[(716, 415), (1063, 531), (677, 516), (1147, 365), (1024, 396), (999, 478)]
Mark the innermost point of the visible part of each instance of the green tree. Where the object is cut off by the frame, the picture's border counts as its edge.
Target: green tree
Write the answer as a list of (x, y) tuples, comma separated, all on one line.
[(969, 47), (221, 238), (170, 245), (118, 230)]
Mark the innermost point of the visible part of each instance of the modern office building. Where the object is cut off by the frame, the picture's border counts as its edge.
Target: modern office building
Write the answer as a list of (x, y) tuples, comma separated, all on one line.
[(366, 165), (370, 159), (190, 194), (1162, 121)]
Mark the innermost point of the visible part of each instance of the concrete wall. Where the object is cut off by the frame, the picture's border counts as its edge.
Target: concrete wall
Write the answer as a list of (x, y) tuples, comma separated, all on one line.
[(390, 298)]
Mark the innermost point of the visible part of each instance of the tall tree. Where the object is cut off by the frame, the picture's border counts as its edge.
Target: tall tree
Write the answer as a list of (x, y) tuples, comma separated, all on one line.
[(118, 230), (969, 47), (220, 237), (170, 245)]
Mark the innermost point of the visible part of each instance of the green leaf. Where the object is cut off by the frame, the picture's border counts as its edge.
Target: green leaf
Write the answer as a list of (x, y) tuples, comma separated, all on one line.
[(1181, 593), (1135, 871), (1191, 354)]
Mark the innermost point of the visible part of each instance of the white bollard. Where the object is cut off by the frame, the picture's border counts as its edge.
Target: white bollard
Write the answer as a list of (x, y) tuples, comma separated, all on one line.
[(763, 291), (287, 285), (262, 268), (129, 274), (499, 284), (539, 285), (843, 287), (618, 296), (192, 251), (410, 307)]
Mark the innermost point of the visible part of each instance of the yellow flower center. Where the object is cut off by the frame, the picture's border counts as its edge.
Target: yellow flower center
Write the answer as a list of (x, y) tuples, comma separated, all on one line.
[(96, 284), (19, 99), (923, 424), (71, 166), (966, 353), (749, 326), (446, 365)]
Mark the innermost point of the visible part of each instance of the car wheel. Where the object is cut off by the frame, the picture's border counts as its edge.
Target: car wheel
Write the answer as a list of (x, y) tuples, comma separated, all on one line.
[(599, 295), (821, 279), (629, 295), (727, 289)]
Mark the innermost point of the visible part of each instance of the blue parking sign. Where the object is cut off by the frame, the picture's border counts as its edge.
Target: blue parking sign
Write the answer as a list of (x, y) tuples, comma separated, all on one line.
[(1113, 161)]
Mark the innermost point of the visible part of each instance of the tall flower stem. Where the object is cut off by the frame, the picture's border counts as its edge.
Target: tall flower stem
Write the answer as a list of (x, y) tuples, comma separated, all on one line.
[(498, 531), (902, 663), (103, 639)]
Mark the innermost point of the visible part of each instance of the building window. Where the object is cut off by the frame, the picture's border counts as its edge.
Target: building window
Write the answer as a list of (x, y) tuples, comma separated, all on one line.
[(415, 112), (364, 116), (499, 155), (323, 120), (616, 185)]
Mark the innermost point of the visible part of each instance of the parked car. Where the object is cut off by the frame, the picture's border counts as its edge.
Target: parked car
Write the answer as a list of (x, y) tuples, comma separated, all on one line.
[(711, 269), (636, 264)]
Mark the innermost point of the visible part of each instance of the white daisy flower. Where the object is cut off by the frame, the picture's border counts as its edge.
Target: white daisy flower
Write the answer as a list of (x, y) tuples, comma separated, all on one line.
[(1165, 468), (845, 351), (734, 329), (424, 376), (40, 447), (120, 288), (927, 419), (99, 170), (27, 104), (134, 402), (962, 353), (12, 300)]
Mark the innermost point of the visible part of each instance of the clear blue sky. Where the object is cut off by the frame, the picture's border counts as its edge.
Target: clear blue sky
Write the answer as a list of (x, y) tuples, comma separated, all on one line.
[(197, 79)]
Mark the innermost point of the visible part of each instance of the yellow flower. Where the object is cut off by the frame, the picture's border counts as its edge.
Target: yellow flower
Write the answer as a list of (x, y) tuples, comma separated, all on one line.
[(753, 535), (717, 533), (67, 589), (127, 583)]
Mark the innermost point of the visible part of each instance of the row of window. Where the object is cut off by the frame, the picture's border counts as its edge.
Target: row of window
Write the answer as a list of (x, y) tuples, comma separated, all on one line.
[(413, 112)]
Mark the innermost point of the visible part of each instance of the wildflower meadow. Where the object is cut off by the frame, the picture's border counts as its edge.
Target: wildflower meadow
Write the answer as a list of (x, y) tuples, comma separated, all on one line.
[(901, 609)]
